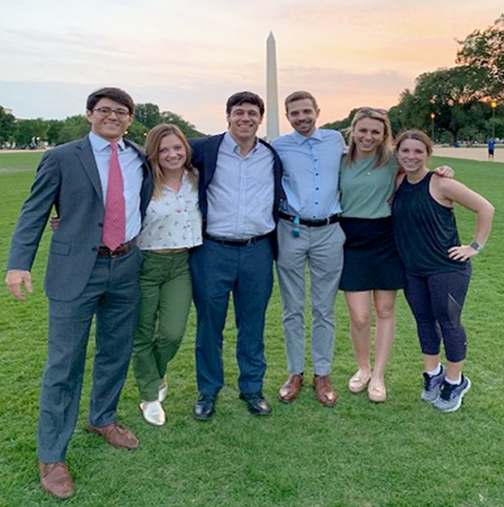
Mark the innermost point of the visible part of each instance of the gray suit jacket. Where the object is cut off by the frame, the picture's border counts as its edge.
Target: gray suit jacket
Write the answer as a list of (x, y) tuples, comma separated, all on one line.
[(67, 178)]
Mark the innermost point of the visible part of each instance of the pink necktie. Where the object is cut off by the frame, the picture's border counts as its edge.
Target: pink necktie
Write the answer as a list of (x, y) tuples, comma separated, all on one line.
[(114, 223)]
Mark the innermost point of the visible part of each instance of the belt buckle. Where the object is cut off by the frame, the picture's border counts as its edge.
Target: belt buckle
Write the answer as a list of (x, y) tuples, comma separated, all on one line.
[(249, 241), (120, 250), (328, 221)]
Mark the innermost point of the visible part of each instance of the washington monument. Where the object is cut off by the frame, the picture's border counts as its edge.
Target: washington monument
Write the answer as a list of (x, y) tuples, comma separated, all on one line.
[(272, 124)]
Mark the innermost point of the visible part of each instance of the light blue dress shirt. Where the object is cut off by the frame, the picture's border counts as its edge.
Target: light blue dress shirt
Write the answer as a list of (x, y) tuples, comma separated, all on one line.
[(131, 169), (241, 193), (311, 167)]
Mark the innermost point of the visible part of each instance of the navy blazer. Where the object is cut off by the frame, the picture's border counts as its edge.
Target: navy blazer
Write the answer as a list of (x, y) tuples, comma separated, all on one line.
[(204, 158), (67, 177)]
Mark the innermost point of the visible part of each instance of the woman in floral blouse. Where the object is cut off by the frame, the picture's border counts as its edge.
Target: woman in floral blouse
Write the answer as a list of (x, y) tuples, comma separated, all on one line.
[(171, 227)]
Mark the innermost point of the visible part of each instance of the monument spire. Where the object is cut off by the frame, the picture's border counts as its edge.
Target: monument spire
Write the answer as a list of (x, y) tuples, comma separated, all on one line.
[(272, 124)]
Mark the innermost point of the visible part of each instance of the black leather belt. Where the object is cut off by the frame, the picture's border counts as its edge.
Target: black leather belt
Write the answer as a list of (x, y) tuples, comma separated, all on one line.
[(318, 222), (235, 242), (105, 251)]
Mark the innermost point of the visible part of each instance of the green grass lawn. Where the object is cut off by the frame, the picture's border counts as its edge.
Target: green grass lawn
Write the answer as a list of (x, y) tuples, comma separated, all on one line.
[(398, 454)]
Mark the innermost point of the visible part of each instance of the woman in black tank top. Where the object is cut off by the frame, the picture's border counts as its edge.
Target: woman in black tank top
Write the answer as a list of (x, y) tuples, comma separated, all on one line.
[(437, 265)]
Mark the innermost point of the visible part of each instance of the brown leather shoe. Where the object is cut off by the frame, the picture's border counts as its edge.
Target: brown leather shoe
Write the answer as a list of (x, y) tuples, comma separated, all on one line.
[(290, 390), (56, 480), (324, 392), (116, 435)]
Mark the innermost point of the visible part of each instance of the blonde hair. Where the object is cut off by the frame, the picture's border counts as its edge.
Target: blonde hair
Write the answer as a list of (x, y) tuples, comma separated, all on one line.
[(384, 150), (416, 135), (152, 143)]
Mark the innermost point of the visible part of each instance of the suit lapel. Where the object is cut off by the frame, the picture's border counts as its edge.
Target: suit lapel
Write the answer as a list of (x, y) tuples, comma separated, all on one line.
[(210, 157), (146, 191), (138, 149), (277, 174), (87, 160)]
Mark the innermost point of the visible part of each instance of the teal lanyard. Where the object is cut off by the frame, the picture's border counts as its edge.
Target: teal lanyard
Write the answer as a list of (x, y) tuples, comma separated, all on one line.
[(295, 230)]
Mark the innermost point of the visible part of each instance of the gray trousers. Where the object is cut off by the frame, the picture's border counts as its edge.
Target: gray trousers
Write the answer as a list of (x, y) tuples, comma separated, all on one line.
[(322, 248), (113, 296)]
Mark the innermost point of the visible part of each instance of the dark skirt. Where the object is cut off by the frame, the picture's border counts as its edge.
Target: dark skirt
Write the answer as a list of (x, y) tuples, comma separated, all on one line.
[(371, 259)]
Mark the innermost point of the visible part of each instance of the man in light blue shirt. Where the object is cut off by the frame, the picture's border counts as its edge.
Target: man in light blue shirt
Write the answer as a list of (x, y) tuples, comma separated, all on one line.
[(308, 231), (239, 196)]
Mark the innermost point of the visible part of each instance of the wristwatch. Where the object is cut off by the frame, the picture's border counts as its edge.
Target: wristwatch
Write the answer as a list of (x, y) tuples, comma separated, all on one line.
[(477, 246)]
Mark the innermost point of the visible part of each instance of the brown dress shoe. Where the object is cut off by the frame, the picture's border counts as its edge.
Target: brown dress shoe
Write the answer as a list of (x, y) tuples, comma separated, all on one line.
[(56, 480), (290, 390), (116, 435), (324, 392)]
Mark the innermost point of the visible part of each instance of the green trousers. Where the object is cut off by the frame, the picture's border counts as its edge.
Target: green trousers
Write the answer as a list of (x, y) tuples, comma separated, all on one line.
[(165, 282)]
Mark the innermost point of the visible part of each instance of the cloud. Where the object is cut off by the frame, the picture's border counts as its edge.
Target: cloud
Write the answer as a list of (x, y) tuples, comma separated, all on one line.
[(189, 57)]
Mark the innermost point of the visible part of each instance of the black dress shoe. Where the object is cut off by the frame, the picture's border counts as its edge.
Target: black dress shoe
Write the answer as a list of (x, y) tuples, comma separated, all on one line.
[(204, 407), (256, 404)]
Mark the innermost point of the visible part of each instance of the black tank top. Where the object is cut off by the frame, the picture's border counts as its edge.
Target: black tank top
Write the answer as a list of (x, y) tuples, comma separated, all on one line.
[(424, 230)]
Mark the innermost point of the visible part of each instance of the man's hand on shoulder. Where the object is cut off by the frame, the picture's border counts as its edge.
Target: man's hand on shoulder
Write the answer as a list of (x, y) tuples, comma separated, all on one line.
[(15, 279)]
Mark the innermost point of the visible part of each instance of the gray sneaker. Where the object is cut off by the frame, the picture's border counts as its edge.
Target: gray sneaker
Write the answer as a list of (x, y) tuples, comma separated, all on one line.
[(432, 386), (451, 396)]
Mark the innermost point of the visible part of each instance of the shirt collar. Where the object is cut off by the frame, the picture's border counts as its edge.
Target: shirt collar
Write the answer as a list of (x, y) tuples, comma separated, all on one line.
[(185, 182), (231, 146), (100, 144), (300, 138)]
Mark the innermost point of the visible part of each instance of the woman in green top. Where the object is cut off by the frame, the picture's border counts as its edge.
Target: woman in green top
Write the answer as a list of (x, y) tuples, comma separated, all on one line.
[(372, 270)]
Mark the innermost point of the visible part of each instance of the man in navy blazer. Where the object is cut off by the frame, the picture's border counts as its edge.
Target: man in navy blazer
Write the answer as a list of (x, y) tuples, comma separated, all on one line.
[(239, 195), (84, 279)]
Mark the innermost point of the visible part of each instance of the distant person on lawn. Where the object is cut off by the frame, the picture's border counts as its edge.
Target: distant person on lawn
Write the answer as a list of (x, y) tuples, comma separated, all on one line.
[(437, 265), (491, 149), (100, 186)]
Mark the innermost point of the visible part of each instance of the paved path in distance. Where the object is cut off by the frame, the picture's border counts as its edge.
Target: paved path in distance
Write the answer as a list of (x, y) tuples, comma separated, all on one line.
[(468, 153)]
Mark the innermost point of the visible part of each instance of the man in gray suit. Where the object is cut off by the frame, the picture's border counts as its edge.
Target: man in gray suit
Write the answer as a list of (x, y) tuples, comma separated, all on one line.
[(100, 187)]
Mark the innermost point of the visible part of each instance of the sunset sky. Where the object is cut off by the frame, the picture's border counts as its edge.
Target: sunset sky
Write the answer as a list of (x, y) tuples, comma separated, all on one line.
[(189, 56)]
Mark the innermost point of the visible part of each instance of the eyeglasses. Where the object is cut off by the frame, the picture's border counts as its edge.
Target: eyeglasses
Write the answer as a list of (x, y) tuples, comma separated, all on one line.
[(107, 111), (366, 110)]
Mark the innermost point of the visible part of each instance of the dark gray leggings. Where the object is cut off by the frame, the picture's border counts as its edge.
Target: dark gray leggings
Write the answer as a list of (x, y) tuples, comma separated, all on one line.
[(436, 302)]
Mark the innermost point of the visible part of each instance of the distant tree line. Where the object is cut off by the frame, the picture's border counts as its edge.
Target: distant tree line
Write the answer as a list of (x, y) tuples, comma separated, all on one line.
[(465, 102), (33, 133)]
